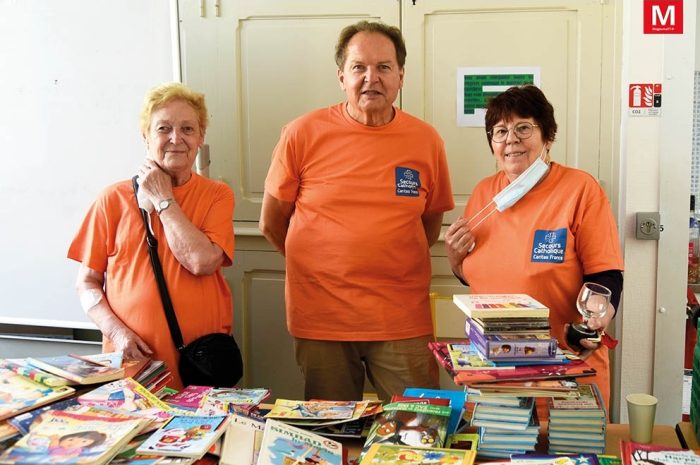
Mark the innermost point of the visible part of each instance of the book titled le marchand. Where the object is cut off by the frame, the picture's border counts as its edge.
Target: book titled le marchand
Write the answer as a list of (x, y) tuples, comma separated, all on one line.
[(500, 306)]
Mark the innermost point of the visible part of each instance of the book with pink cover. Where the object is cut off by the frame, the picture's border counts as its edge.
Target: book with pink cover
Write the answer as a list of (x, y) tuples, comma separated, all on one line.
[(575, 369)]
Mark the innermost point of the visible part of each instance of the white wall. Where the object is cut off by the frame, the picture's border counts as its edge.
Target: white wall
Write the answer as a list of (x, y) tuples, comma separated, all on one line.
[(655, 161), (73, 76)]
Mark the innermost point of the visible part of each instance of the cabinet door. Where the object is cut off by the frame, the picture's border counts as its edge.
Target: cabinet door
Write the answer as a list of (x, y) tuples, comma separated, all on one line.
[(563, 38), (261, 63)]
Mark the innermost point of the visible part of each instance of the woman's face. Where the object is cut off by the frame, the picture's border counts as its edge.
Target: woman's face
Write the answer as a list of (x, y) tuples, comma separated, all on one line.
[(516, 153), (174, 137)]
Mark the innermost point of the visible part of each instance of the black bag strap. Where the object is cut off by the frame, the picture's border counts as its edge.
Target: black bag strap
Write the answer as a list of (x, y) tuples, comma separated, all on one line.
[(152, 243)]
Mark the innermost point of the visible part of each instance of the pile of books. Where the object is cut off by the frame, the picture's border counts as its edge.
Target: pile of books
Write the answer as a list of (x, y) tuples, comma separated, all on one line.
[(508, 329), (507, 425), (578, 424)]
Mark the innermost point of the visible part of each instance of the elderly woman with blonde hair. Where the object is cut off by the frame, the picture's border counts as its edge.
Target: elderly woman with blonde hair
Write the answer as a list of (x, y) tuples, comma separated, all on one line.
[(192, 218)]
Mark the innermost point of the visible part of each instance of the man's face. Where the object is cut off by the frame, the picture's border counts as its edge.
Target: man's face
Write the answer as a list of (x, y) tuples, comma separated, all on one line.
[(371, 78)]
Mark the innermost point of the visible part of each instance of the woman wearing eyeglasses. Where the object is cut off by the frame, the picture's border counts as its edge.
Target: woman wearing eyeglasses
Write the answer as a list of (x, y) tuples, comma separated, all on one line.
[(538, 227)]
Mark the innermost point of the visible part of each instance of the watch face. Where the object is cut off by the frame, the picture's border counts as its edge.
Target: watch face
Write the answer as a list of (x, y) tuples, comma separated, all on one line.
[(163, 204)]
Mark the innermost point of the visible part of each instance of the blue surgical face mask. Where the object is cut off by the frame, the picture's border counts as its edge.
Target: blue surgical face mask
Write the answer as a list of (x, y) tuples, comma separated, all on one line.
[(523, 184), (514, 191)]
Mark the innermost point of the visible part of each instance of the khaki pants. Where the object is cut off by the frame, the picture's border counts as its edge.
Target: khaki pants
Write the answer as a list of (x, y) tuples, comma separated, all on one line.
[(335, 370)]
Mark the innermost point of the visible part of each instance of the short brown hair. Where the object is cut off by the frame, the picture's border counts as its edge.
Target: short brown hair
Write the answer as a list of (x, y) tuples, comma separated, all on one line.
[(168, 92), (526, 101), (392, 32)]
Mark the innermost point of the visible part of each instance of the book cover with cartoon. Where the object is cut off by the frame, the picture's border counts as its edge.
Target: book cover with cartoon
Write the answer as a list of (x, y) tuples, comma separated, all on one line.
[(284, 444), (72, 438), (19, 394), (185, 436)]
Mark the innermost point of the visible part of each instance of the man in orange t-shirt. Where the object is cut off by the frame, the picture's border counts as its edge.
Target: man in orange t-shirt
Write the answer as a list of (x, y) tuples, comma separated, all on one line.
[(354, 198)]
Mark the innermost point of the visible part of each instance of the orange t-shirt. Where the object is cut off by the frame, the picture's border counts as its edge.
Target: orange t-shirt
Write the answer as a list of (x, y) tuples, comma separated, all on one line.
[(543, 245), (358, 264), (111, 240)]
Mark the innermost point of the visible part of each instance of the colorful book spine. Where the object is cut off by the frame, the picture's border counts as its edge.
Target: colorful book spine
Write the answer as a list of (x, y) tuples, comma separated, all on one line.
[(35, 374), (501, 347)]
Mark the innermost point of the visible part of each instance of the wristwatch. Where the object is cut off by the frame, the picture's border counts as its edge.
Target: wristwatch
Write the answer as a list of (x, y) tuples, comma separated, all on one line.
[(163, 204)]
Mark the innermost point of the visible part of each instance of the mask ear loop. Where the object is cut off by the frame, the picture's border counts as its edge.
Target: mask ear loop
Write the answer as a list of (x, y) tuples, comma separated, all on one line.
[(477, 214)]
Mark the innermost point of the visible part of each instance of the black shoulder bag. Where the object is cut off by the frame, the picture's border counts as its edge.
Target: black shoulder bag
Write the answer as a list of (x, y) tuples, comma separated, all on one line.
[(211, 360)]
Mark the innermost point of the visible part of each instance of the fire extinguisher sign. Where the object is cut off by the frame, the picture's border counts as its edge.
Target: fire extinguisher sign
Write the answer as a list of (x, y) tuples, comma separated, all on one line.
[(645, 100)]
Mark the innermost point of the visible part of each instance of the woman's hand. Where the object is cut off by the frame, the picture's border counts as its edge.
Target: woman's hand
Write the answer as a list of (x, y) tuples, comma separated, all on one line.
[(599, 324), (128, 342), (154, 183), (459, 241)]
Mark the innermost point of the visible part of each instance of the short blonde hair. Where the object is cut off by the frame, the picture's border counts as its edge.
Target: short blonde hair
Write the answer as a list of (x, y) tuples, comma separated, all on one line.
[(168, 92)]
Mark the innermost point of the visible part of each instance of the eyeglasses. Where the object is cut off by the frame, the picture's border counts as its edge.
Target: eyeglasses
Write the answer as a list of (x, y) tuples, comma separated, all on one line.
[(521, 131)]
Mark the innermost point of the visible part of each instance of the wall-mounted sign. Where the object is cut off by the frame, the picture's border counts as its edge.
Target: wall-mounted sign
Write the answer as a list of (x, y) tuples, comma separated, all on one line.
[(476, 85), (645, 100), (663, 16)]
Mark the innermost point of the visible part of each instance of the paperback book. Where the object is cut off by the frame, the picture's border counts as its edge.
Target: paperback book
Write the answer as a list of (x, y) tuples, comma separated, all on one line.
[(467, 357), (633, 453), (230, 400), (510, 325), (40, 376), (588, 404), (185, 436), (410, 424), (24, 421), (457, 398), (284, 444), (557, 459), (72, 438), (80, 369), (242, 441), (389, 454), (513, 347), (190, 398), (19, 394), (464, 441), (575, 369), (312, 410), (500, 306)]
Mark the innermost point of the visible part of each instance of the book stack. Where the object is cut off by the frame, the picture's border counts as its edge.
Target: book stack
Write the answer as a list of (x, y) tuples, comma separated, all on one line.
[(508, 328), (577, 424), (507, 425)]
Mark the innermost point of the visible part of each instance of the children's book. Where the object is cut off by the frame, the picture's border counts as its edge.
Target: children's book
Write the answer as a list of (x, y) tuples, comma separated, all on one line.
[(19, 394), (589, 404), (126, 395), (242, 441), (464, 441), (467, 357), (558, 459), (575, 369), (510, 325), (24, 421), (410, 424), (284, 444), (457, 398), (190, 398), (312, 410), (76, 368), (72, 438), (385, 454), (500, 306), (633, 453), (513, 346), (184, 436), (7, 430), (230, 400), (40, 376)]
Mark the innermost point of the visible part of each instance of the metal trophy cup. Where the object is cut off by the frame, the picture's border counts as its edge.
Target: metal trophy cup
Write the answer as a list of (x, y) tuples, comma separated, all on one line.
[(593, 301)]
